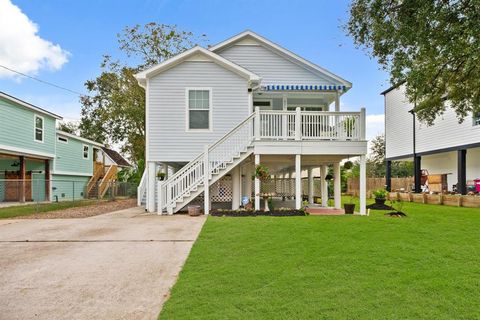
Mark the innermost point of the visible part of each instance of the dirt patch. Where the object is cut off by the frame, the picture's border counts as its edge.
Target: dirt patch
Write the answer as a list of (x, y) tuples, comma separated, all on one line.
[(84, 212)]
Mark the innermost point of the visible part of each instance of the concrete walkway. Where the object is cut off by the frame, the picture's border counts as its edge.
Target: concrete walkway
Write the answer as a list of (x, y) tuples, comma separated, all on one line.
[(119, 265)]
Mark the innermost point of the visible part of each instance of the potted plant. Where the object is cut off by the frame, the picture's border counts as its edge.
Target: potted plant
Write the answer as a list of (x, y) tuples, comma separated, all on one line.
[(263, 173), (161, 175), (380, 196), (349, 206), (348, 165)]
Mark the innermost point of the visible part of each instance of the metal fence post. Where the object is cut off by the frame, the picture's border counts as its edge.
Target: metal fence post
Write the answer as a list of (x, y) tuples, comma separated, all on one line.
[(73, 192)]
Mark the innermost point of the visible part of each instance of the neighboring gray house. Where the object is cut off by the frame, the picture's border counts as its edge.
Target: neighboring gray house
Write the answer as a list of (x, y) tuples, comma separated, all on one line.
[(218, 112), (447, 147)]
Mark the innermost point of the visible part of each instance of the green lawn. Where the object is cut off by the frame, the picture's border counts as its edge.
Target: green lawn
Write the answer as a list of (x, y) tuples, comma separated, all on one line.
[(425, 266), (16, 211)]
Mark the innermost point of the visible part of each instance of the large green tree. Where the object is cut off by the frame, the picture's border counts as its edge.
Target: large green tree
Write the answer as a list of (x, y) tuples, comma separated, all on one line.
[(431, 45), (114, 110)]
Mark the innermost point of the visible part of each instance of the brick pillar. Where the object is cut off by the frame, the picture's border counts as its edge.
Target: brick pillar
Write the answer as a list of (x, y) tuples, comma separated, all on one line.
[(22, 179), (47, 180)]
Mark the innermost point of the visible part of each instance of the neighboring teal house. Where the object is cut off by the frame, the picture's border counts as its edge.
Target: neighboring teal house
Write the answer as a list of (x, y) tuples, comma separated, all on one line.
[(40, 163)]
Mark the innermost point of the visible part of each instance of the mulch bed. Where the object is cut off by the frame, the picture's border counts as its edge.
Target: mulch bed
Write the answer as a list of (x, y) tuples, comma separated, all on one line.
[(376, 206), (274, 213), (83, 212), (396, 214)]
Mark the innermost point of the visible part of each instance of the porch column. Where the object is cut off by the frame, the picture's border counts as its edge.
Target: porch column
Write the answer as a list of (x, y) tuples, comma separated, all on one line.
[(47, 180), (257, 184), (363, 184), (22, 179), (337, 101), (462, 171), (323, 183), (151, 167), (310, 185), (298, 181), (236, 188), (248, 181), (337, 187), (417, 168), (388, 176)]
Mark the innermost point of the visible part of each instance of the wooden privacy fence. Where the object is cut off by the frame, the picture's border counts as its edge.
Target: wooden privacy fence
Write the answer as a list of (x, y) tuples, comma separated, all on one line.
[(404, 184), (441, 199)]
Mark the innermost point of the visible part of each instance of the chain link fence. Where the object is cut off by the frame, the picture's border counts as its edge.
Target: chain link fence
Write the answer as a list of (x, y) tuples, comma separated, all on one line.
[(16, 192)]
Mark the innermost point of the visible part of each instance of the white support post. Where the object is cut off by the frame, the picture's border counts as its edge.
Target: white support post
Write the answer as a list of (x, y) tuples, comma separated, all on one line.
[(151, 179), (337, 101), (310, 185), (323, 182), (248, 180), (256, 129), (206, 182), (160, 198), (298, 181), (298, 124), (285, 118), (257, 184), (236, 188), (362, 124), (363, 184), (337, 187)]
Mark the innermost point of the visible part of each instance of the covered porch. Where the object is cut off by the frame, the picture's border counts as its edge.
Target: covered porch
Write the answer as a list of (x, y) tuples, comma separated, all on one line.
[(24, 178)]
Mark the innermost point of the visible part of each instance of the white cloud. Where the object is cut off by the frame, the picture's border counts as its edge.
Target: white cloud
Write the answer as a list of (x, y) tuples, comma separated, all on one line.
[(22, 48)]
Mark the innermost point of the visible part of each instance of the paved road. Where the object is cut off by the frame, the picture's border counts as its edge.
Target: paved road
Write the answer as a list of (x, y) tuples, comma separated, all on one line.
[(115, 266)]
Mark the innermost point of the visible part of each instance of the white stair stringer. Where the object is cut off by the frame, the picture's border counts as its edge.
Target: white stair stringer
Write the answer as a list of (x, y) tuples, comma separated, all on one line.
[(215, 177), (209, 166)]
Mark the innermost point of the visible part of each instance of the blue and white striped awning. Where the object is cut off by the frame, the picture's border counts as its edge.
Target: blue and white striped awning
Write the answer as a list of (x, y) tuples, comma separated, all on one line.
[(298, 87)]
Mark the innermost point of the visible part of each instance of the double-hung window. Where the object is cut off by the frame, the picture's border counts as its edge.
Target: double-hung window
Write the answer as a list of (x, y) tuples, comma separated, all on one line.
[(199, 109), (86, 152), (38, 128)]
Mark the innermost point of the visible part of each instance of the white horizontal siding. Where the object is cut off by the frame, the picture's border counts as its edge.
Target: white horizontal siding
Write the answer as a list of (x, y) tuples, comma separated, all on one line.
[(446, 132), (167, 138), (398, 124), (273, 68)]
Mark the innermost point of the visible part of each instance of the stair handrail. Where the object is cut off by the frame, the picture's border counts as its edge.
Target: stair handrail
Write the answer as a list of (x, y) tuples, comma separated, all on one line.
[(109, 176), (196, 166), (97, 172), (142, 187)]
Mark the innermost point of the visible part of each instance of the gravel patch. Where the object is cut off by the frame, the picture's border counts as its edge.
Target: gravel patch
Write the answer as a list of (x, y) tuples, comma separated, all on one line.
[(84, 211)]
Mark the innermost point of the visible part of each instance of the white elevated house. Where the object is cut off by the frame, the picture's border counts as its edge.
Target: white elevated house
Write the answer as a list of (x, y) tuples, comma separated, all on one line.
[(216, 113), (447, 147)]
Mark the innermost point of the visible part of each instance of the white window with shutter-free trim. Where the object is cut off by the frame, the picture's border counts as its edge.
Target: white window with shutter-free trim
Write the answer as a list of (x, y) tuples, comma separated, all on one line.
[(199, 109)]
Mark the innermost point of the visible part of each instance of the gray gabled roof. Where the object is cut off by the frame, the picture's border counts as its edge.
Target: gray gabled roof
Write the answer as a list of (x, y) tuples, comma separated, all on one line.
[(282, 51), (29, 105)]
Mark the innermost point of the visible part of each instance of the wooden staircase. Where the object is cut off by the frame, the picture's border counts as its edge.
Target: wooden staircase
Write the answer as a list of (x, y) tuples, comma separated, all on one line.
[(101, 181)]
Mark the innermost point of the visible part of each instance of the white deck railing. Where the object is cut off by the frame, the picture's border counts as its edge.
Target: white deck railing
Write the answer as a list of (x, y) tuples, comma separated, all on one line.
[(297, 125)]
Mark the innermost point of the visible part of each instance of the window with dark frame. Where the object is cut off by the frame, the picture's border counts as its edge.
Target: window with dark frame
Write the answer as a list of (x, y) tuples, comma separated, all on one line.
[(476, 119), (86, 152)]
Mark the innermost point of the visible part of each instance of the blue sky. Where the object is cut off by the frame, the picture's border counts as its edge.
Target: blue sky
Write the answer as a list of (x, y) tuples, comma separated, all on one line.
[(87, 30)]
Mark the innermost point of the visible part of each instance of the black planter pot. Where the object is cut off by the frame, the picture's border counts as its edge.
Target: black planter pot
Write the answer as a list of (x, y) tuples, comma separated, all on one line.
[(380, 201), (349, 208)]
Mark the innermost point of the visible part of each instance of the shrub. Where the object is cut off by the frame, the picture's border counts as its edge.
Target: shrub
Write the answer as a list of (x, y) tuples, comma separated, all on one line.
[(380, 193)]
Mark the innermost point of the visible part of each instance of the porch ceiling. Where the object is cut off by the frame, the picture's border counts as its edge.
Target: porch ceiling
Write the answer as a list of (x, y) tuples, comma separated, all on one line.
[(327, 97), (278, 163)]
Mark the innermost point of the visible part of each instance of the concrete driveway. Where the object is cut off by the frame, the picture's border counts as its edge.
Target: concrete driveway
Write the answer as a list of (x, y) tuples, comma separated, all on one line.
[(115, 266)]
